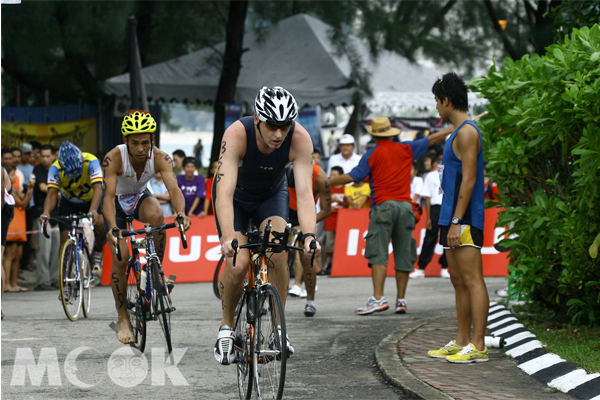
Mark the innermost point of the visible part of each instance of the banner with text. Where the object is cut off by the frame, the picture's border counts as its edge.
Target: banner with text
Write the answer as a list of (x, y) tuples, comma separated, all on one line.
[(81, 133), (197, 263), (349, 259)]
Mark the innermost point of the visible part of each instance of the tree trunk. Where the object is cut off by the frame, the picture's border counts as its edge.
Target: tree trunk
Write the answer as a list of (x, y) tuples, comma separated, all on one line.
[(232, 64)]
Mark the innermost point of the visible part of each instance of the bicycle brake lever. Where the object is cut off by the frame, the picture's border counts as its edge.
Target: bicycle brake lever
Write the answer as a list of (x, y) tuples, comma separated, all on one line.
[(313, 246), (115, 232), (234, 244)]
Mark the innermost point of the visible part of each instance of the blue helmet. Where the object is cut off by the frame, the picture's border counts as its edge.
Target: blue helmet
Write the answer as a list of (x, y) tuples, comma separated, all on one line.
[(70, 159)]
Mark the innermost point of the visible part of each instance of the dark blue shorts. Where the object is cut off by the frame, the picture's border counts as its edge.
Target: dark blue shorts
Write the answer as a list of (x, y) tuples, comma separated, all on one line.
[(258, 206)]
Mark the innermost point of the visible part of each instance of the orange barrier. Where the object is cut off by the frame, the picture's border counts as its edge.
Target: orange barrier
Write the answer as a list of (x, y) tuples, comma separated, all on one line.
[(349, 260), (197, 263)]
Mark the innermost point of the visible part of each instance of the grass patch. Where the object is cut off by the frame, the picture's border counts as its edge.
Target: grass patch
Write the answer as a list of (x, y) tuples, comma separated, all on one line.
[(577, 344)]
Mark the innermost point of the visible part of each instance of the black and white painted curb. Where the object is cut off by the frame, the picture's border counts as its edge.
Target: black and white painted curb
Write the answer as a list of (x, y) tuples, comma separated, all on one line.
[(529, 352)]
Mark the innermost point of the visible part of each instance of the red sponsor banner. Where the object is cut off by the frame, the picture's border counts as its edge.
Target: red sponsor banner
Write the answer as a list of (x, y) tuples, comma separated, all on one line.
[(349, 260), (197, 263)]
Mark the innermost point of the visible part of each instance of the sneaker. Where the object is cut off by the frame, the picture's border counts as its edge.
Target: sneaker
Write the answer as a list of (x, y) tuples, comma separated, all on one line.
[(400, 306), (303, 294), (295, 291), (224, 352), (450, 349), (373, 306), (468, 355), (310, 310), (96, 263), (291, 349), (417, 273), (502, 292), (445, 273), (95, 281)]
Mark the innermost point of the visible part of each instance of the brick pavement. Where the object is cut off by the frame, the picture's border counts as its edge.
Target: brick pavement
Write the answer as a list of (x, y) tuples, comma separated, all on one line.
[(499, 378)]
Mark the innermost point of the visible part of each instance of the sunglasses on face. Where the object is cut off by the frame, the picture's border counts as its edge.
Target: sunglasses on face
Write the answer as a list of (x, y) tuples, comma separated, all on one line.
[(274, 127)]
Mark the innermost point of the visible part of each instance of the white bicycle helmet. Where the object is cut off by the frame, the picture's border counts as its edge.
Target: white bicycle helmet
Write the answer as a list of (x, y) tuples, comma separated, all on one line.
[(275, 106)]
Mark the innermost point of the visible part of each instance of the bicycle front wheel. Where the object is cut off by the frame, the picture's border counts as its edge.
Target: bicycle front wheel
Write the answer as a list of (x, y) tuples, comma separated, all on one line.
[(244, 332), (217, 277), (270, 345), (86, 271), (163, 305), (70, 281), (136, 309)]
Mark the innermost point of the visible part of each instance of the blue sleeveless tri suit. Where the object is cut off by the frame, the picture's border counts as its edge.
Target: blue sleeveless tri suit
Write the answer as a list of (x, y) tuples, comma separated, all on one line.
[(261, 190)]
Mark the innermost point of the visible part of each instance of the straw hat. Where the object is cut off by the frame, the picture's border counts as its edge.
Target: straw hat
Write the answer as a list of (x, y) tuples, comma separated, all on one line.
[(381, 127)]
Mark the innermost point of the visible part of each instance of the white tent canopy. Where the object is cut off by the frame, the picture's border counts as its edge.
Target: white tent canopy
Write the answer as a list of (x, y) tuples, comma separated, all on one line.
[(298, 55)]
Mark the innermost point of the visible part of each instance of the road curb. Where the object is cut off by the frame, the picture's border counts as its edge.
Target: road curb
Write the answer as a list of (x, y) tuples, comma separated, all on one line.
[(534, 360), (393, 369)]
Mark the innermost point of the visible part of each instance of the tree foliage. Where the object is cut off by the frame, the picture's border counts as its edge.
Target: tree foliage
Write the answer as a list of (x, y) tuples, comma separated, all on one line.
[(68, 48), (542, 140)]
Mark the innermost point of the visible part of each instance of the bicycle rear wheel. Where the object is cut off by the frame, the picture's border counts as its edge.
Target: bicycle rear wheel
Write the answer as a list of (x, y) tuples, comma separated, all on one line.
[(163, 305), (136, 310), (270, 345), (243, 346), (217, 277), (70, 283), (86, 272)]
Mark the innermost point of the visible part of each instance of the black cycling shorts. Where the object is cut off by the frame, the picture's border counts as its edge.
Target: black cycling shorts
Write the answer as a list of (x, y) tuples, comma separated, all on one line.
[(258, 206), (68, 208)]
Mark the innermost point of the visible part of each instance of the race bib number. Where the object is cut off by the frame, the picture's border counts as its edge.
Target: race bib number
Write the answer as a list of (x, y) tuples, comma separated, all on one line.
[(441, 174)]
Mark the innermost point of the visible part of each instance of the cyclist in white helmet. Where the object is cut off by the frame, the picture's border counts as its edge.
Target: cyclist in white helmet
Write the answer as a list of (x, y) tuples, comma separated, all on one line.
[(127, 170), (250, 182)]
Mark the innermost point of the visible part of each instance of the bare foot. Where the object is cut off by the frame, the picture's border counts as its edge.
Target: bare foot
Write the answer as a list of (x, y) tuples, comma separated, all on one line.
[(125, 335)]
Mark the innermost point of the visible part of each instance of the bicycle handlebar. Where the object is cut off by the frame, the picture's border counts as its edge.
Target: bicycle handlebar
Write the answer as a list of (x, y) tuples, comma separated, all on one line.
[(72, 217), (148, 230), (265, 244)]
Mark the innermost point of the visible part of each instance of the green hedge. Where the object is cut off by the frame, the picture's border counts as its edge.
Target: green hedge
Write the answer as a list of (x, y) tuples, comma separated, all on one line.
[(542, 141)]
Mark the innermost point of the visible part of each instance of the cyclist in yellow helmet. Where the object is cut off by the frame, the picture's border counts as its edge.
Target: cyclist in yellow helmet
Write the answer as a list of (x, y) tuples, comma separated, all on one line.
[(127, 170)]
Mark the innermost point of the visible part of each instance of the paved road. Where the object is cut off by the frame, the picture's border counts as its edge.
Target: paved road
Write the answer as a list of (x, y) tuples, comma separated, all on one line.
[(334, 351)]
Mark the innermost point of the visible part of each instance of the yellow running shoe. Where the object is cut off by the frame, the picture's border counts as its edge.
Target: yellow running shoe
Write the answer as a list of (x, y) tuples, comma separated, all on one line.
[(448, 350), (468, 355)]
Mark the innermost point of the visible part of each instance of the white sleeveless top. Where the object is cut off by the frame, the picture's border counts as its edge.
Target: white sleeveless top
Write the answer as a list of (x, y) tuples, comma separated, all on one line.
[(127, 183)]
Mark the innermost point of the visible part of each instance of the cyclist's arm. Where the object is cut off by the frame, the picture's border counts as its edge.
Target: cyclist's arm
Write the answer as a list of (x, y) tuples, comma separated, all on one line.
[(233, 147), (301, 155), (164, 165), (324, 189), (51, 200), (110, 166)]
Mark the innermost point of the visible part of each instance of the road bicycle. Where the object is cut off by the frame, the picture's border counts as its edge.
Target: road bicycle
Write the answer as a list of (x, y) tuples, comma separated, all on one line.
[(74, 272), (291, 257), (260, 339), (148, 292)]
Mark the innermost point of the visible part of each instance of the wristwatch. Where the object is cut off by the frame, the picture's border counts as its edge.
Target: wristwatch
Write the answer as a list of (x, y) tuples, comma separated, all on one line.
[(456, 220)]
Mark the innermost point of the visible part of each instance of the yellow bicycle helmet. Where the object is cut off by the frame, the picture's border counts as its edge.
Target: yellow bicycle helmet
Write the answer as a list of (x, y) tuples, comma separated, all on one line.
[(138, 122)]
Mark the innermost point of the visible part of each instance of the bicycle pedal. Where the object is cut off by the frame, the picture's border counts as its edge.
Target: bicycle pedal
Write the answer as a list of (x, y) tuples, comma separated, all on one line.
[(114, 326)]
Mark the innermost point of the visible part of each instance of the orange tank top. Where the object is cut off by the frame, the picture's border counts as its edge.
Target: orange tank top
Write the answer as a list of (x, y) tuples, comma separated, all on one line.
[(294, 200)]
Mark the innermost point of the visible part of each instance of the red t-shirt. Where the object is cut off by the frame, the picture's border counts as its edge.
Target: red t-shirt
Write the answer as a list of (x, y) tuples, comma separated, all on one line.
[(337, 196), (494, 191)]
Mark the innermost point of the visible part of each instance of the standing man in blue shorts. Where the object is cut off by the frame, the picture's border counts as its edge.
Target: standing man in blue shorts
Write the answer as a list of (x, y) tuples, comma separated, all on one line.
[(461, 221), (251, 183), (388, 165)]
